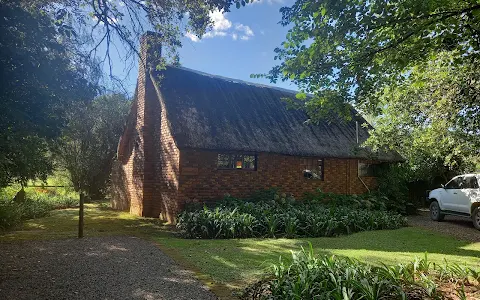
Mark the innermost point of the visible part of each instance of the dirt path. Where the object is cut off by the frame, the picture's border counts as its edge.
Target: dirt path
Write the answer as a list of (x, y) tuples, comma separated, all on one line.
[(93, 268), (458, 227)]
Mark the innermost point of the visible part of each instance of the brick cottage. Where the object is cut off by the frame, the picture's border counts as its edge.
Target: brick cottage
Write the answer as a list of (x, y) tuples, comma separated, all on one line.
[(192, 136)]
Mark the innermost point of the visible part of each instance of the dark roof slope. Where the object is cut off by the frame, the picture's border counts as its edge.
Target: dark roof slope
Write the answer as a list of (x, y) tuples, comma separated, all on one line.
[(212, 112)]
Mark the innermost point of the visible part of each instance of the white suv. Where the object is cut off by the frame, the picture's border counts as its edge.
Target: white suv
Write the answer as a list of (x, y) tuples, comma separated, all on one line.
[(460, 196)]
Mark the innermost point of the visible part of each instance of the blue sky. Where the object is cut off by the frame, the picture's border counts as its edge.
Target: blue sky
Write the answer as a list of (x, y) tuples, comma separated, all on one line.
[(240, 43)]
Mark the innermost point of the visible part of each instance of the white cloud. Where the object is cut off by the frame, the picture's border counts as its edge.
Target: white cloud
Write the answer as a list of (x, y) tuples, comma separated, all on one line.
[(270, 2), (192, 37), (220, 21), (222, 26), (262, 32), (245, 29), (212, 34)]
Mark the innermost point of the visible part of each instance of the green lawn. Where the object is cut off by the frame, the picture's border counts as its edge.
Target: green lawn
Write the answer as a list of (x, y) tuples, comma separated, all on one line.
[(231, 264)]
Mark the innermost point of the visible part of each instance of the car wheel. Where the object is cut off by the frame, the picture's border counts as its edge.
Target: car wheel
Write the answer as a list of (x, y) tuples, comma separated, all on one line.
[(435, 212), (476, 217)]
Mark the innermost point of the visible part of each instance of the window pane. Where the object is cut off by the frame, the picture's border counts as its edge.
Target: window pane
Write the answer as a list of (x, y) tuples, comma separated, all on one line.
[(454, 184), (362, 169), (249, 162), (224, 161), (367, 170), (313, 168), (471, 182), (236, 161)]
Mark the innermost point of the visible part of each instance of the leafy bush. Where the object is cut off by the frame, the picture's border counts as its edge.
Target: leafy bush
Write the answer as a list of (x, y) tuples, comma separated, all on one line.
[(392, 182), (370, 201), (281, 217), (37, 204), (331, 277)]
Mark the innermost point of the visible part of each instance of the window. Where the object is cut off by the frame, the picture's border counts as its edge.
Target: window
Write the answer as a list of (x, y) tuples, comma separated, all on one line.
[(471, 182), (313, 168), (367, 170), (456, 183), (237, 161)]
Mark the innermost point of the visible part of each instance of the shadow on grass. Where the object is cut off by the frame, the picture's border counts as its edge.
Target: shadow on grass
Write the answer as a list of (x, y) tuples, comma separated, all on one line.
[(98, 222), (237, 262)]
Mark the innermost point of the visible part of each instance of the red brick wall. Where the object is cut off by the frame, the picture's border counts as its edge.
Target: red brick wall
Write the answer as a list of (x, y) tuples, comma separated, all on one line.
[(200, 179), (139, 177), (167, 164), (128, 174)]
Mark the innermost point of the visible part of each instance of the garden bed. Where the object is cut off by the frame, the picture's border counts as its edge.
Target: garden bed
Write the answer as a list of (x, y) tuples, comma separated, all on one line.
[(331, 277), (282, 216)]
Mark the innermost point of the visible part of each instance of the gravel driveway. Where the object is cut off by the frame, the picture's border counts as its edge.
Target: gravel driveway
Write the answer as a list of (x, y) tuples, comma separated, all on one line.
[(93, 268), (458, 227)]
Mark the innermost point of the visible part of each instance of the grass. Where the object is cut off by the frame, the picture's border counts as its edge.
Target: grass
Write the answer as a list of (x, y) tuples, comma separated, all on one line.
[(227, 265)]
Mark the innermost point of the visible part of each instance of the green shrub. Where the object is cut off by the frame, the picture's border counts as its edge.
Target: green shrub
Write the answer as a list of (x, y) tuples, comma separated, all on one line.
[(369, 201), (307, 276), (37, 204), (13, 213), (10, 214), (282, 216)]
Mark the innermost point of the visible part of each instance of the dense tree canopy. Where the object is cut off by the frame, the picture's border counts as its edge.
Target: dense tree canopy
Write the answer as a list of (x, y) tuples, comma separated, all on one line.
[(348, 51), (39, 82), (433, 117)]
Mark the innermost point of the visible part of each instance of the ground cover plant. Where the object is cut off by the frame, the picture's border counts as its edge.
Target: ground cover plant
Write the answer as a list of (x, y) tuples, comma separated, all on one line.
[(308, 276), (282, 216)]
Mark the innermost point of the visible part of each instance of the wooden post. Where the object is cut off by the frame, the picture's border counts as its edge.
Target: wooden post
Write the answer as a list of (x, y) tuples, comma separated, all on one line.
[(80, 217)]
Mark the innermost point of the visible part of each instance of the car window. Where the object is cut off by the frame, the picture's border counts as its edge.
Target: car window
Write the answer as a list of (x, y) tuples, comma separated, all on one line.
[(455, 183), (471, 182)]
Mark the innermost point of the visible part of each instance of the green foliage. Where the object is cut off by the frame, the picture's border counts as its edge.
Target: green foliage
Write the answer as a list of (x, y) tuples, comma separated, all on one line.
[(308, 276), (347, 51), (39, 79), (392, 180), (369, 201), (39, 203), (391, 195), (432, 118), (88, 144), (284, 217)]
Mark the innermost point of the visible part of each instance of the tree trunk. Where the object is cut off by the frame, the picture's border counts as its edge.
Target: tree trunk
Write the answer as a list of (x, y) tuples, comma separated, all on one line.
[(80, 216)]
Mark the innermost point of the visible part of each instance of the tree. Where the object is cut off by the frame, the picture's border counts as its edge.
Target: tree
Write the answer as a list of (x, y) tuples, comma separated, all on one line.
[(432, 117), (39, 79), (348, 51), (88, 144)]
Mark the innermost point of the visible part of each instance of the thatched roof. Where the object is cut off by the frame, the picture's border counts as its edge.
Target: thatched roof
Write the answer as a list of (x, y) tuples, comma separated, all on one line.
[(217, 113)]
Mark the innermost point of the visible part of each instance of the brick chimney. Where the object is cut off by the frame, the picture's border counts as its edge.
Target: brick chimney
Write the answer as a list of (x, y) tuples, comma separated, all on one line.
[(144, 173)]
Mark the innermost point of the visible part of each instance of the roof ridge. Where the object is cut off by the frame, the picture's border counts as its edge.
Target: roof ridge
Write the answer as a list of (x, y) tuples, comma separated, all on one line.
[(234, 80)]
